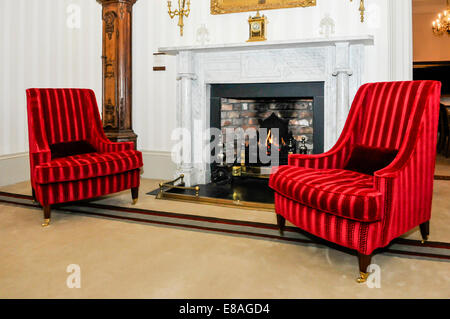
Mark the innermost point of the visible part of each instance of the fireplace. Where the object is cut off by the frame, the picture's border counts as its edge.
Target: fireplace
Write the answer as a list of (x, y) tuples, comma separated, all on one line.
[(326, 72), (293, 110), (332, 67)]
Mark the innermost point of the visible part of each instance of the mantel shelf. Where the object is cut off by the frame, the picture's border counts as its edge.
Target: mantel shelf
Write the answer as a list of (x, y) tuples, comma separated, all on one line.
[(284, 44)]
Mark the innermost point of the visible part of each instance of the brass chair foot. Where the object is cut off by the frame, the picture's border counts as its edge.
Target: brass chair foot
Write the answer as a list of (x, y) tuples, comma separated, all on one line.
[(424, 239), (135, 200), (362, 277), (46, 222)]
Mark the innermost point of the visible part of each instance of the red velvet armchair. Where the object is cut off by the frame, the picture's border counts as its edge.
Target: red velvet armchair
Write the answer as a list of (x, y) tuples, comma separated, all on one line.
[(70, 157), (376, 183)]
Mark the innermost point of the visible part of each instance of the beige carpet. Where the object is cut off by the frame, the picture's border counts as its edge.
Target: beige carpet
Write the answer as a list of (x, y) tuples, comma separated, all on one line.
[(442, 165), (121, 259)]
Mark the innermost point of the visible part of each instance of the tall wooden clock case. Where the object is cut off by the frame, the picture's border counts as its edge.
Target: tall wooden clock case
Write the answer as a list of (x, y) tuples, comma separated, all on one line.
[(117, 70)]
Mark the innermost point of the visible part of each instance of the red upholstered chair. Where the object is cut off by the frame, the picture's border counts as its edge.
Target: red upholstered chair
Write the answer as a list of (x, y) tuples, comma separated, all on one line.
[(70, 157), (376, 183)]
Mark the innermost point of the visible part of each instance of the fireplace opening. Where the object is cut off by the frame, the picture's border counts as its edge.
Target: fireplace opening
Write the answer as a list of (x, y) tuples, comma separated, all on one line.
[(282, 127), (287, 118), (295, 111)]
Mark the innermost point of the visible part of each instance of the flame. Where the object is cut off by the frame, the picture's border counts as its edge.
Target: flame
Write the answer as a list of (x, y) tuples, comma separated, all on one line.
[(269, 138), (269, 142)]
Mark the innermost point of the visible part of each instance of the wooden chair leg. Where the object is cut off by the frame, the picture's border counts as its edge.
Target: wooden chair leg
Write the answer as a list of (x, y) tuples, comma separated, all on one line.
[(447, 147), (425, 231), (364, 262), (281, 222), (33, 194), (47, 215), (135, 194), (439, 141), (443, 145)]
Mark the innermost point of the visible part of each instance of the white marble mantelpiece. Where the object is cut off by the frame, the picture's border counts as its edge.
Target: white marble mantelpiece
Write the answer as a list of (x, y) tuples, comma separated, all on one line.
[(264, 45), (337, 61)]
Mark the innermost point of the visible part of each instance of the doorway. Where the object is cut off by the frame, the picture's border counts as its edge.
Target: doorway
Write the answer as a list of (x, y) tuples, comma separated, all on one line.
[(431, 56)]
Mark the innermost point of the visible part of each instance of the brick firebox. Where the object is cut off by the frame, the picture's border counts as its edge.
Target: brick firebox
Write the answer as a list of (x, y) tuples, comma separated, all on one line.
[(247, 113)]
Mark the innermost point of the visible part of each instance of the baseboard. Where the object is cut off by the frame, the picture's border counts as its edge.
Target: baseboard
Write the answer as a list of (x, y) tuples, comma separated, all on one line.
[(14, 168), (158, 165)]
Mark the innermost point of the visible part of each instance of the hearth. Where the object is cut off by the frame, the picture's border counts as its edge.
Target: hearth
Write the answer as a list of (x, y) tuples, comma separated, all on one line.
[(247, 193)]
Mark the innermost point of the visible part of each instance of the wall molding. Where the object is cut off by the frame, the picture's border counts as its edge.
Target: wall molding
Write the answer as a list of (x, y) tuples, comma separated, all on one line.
[(15, 168), (15, 155), (158, 165)]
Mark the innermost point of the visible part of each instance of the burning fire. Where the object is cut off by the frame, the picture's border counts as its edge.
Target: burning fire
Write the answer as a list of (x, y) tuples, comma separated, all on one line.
[(269, 142)]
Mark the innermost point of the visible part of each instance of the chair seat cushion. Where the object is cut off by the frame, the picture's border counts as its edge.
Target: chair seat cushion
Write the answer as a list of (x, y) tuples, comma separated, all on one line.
[(339, 192), (90, 165)]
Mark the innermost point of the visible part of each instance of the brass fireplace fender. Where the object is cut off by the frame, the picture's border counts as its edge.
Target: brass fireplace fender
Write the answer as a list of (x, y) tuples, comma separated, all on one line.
[(165, 187), (171, 184)]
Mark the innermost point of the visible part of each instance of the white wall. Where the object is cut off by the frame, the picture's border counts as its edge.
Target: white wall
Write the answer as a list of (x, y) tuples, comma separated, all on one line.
[(37, 49)]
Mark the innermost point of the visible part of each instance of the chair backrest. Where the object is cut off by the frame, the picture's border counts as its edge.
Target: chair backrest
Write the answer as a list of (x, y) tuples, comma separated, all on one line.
[(385, 112), (66, 114)]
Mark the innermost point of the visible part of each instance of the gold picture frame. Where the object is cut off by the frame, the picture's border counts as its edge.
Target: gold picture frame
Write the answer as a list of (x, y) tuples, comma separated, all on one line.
[(233, 6)]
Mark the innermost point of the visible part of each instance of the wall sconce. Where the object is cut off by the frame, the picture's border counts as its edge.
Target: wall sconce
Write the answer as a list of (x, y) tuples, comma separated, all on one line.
[(361, 9), (181, 12)]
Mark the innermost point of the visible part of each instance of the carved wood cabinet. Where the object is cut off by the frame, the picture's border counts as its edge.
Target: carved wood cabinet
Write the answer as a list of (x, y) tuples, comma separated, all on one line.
[(117, 70)]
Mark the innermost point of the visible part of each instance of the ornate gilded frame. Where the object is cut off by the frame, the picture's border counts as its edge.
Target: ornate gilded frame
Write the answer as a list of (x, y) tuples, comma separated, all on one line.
[(232, 6)]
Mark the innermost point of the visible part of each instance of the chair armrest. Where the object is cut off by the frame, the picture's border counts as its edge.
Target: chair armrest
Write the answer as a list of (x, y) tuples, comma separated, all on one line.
[(40, 157), (403, 160), (334, 158), (407, 183), (98, 138), (104, 145), (406, 189), (37, 138), (39, 149)]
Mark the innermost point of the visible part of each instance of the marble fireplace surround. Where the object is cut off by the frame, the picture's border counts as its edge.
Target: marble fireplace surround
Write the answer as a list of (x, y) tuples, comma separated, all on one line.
[(337, 61)]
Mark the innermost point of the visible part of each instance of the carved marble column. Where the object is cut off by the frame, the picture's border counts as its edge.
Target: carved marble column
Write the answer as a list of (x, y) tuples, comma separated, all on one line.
[(185, 77), (117, 68), (343, 72)]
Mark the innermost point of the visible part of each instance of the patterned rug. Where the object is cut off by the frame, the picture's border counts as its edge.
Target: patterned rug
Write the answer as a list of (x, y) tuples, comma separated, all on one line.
[(442, 177), (400, 247)]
